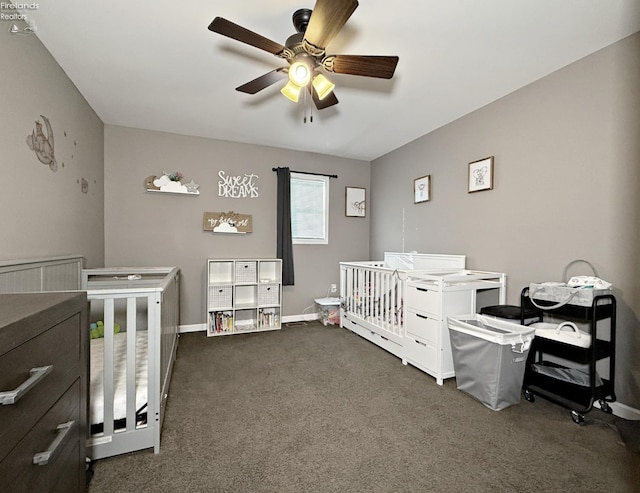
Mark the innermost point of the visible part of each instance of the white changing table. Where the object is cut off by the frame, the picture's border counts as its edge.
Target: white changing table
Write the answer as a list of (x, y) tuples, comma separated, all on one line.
[(430, 299)]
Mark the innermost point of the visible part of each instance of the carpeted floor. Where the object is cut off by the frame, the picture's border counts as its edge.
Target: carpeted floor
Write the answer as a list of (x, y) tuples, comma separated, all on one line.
[(319, 409)]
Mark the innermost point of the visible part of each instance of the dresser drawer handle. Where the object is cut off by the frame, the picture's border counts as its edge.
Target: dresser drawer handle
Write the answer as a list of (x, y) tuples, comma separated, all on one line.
[(43, 458), (37, 374), (422, 316)]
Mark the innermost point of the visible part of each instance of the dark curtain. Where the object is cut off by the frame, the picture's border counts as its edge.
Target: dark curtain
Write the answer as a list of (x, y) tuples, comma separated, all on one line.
[(285, 243)]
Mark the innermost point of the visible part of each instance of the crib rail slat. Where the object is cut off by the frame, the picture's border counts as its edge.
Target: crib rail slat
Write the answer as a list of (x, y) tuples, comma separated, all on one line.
[(131, 384), (153, 361), (107, 396), (387, 305)]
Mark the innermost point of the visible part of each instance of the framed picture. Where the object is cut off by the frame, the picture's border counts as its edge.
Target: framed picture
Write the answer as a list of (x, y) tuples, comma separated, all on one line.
[(355, 205), (422, 189), (481, 175)]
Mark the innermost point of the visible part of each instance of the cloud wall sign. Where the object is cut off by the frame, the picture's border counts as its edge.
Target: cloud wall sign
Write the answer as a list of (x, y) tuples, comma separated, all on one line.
[(227, 222)]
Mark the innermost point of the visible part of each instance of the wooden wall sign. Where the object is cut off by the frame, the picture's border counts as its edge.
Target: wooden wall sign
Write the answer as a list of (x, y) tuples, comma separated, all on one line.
[(227, 222)]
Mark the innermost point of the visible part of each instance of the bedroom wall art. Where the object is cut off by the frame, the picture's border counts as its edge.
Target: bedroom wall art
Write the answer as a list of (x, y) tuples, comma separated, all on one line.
[(227, 222), (171, 183), (42, 144), (237, 187), (422, 189), (355, 205), (481, 175)]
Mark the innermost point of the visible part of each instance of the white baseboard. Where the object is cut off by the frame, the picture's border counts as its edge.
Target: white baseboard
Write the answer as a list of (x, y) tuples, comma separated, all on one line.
[(183, 329), (300, 318), (622, 410)]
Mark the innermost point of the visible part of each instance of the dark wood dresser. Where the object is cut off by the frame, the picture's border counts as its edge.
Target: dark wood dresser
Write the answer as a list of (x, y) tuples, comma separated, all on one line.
[(43, 392)]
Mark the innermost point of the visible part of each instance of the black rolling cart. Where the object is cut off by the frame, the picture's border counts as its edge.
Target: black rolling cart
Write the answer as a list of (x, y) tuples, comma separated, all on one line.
[(577, 395)]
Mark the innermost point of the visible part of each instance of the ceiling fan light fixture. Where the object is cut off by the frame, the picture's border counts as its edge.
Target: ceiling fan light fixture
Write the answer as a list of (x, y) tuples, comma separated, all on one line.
[(323, 86), (291, 91), (305, 52), (299, 73)]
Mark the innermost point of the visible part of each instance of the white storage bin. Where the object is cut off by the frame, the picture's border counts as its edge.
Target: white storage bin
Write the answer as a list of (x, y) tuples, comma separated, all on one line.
[(220, 297), (246, 272), (269, 294), (329, 310), (489, 358)]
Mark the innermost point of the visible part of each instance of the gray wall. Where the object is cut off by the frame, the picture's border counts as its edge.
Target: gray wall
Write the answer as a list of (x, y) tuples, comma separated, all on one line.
[(146, 229), (566, 186), (45, 213)]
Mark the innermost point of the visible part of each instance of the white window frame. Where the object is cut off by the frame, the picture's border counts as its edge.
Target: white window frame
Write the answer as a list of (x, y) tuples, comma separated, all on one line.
[(325, 181)]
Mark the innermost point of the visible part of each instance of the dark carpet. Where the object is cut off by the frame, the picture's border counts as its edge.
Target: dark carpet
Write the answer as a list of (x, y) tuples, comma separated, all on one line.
[(319, 409)]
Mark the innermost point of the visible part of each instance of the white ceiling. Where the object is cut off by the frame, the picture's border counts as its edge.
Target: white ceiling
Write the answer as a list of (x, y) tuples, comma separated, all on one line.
[(155, 65)]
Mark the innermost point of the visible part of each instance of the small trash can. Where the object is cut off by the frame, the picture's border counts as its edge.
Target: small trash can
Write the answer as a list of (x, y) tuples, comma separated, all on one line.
[(328, 310), (511, 313), (489, 358)]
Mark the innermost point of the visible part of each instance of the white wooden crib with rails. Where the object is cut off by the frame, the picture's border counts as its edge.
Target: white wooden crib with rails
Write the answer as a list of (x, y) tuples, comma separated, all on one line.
[(401, 304)]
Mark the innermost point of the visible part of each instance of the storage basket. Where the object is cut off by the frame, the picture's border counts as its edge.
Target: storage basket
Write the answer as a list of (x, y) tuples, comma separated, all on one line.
[(269, 294), (489, 358), (560, 294), (246, 272), (244, 326), (565, 332), (220, 297), (574, 376)]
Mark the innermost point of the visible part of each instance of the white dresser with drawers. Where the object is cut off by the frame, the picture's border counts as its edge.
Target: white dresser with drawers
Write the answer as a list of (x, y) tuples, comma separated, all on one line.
[(430, 299)]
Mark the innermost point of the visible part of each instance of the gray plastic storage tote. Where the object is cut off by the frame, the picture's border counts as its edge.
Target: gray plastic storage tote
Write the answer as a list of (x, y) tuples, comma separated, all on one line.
[(489, 358)]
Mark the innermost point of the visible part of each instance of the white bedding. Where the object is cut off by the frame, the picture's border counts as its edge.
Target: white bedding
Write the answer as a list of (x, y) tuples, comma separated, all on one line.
[(96, 398)]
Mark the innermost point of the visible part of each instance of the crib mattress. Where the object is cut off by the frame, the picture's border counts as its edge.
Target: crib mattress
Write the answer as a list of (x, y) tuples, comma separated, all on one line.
[(96, 396)]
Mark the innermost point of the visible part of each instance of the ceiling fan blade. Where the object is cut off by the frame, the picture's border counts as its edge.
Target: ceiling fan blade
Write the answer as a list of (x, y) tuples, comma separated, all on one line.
[(382, 67), (239, 33), (326, 20), (321, 104), (263, 81)]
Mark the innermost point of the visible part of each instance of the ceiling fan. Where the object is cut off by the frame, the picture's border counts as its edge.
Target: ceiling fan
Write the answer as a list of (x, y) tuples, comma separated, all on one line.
[(306, 53)]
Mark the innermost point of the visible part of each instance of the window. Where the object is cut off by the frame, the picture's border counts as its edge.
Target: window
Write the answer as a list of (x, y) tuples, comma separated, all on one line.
[(309, 209)]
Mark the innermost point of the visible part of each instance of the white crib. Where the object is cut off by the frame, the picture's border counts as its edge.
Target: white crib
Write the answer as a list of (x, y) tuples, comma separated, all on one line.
[(401, 304), (373, 292), (130, 371)]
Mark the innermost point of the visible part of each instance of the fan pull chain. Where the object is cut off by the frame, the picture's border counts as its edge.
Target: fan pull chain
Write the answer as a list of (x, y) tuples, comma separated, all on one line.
[(304, 107), (307, 104)]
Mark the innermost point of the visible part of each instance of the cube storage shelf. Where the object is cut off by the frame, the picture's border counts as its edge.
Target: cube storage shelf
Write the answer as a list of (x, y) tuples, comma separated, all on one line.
[(243, 295)]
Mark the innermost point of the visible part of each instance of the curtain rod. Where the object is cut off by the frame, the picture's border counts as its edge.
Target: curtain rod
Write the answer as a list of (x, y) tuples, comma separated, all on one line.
[(308, 173)]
